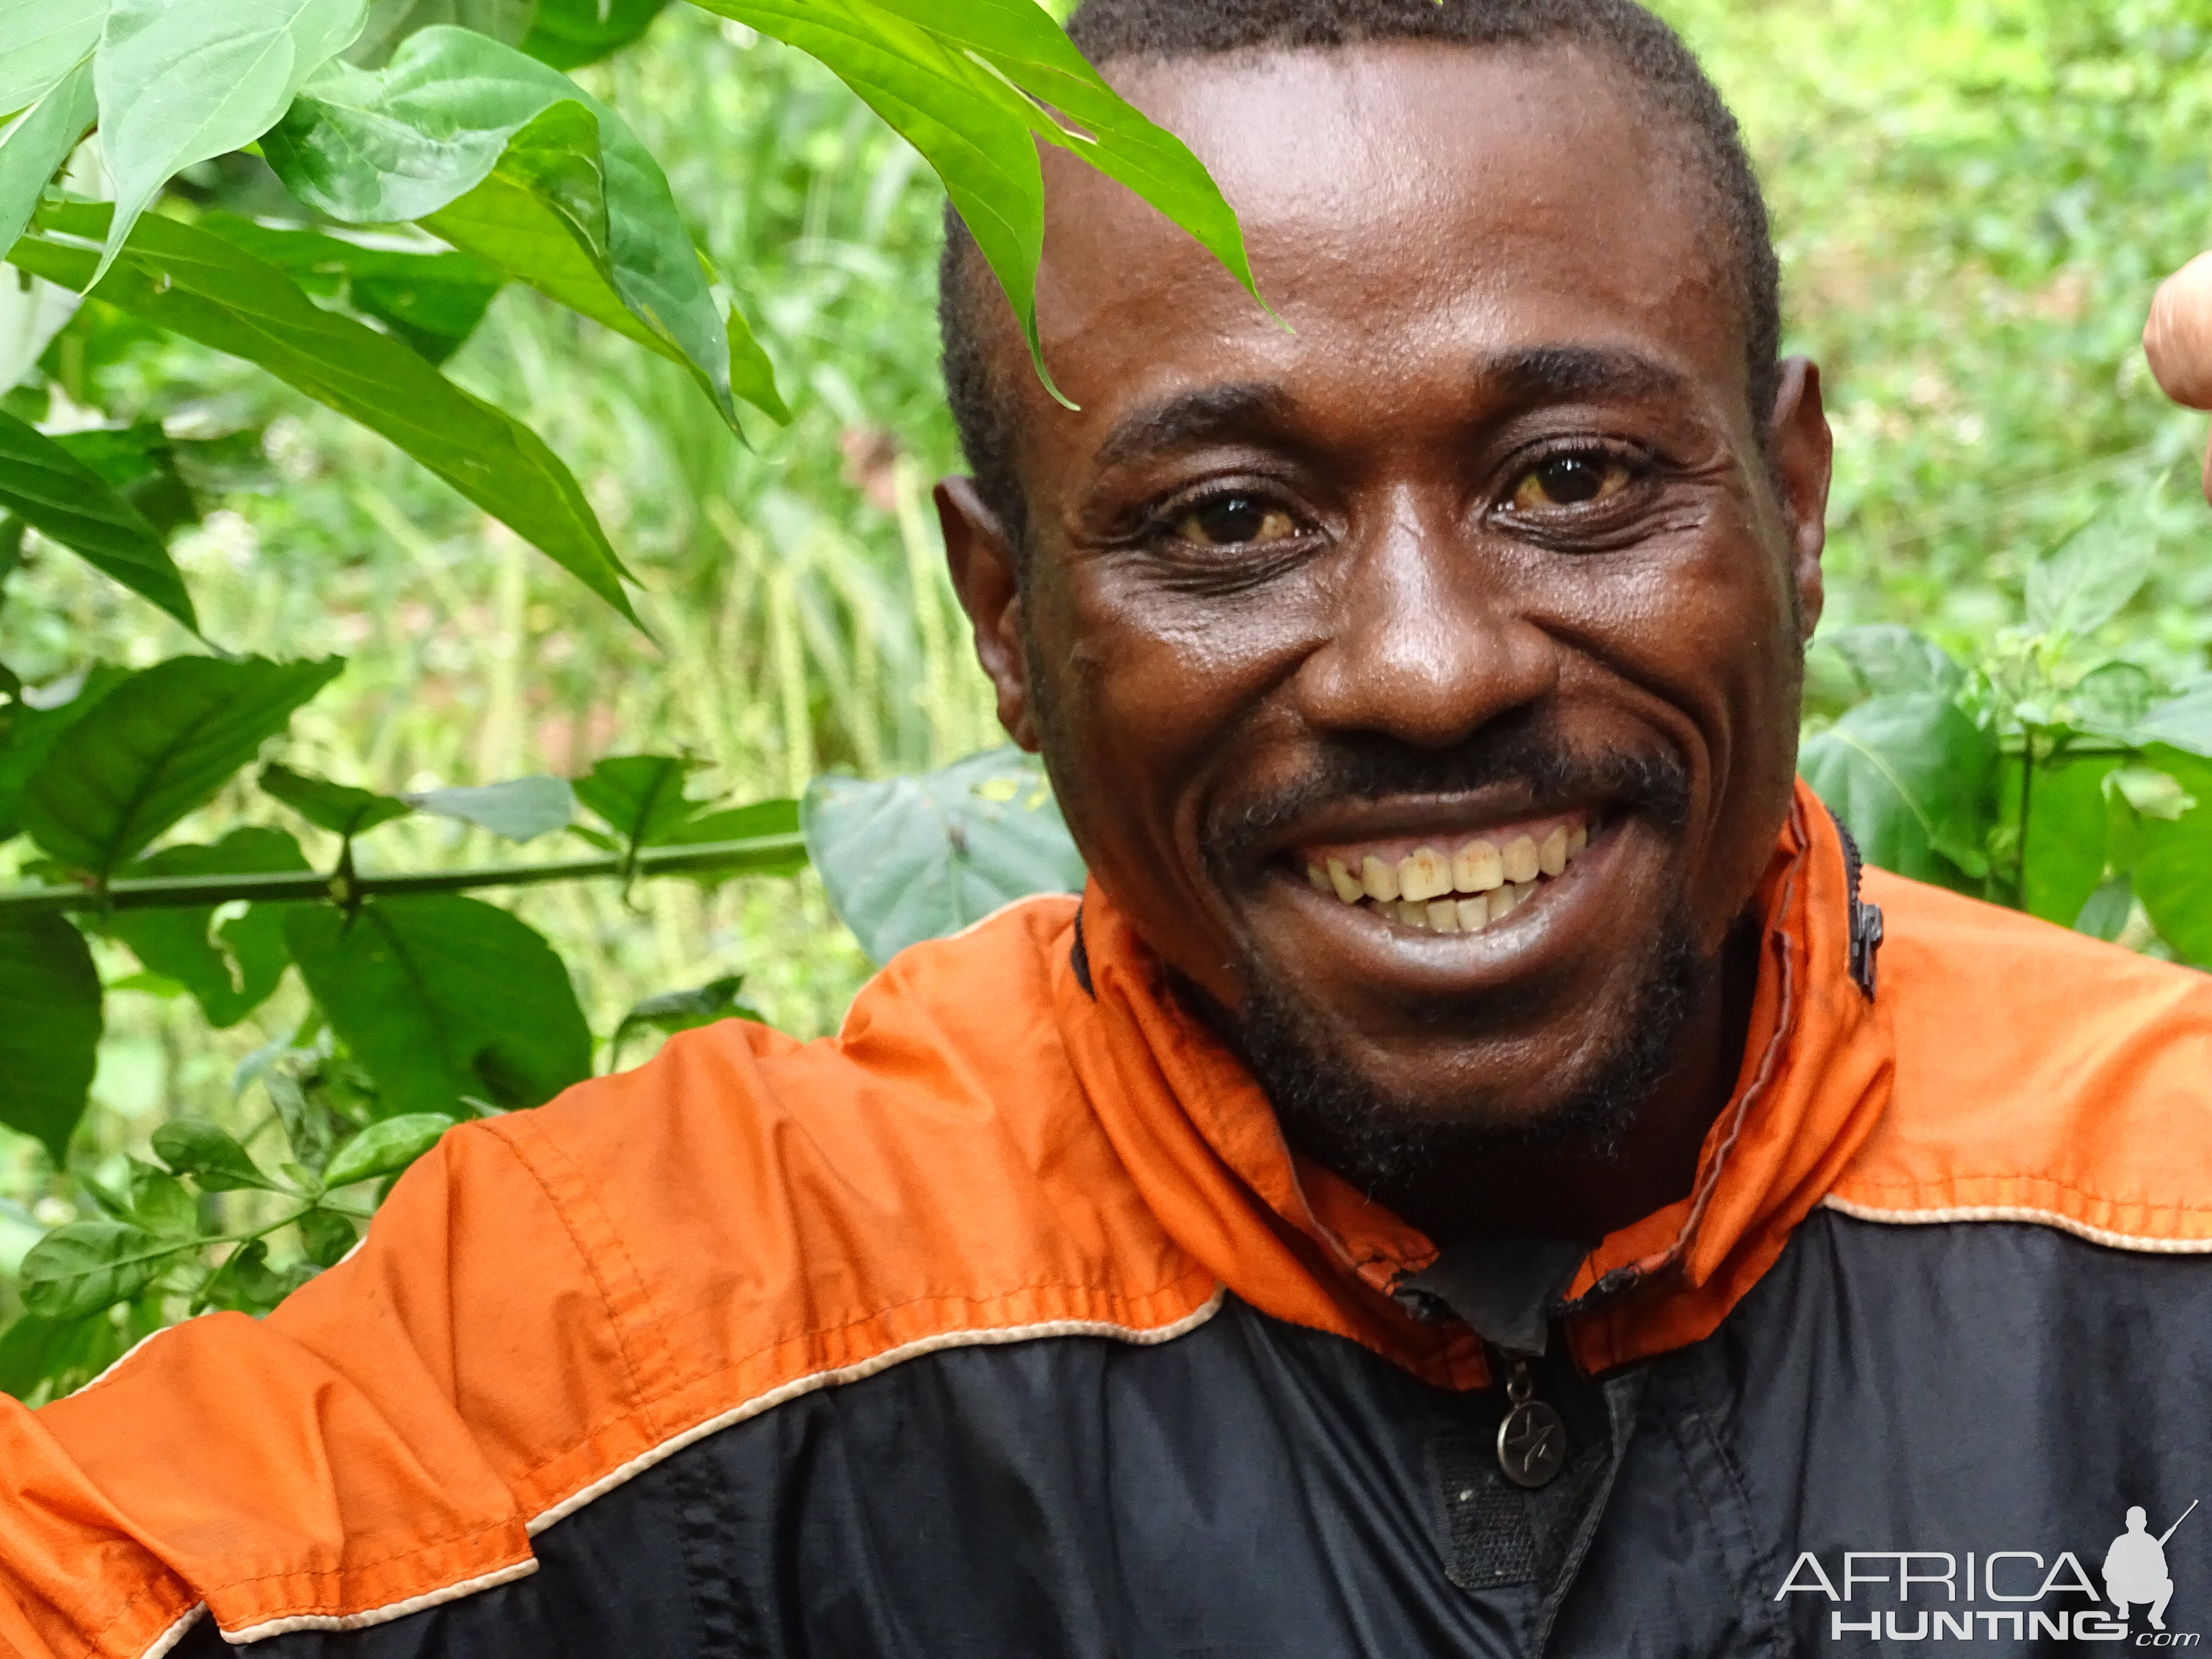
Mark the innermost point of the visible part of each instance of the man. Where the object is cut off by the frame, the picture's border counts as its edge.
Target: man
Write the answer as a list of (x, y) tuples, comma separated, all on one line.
[(2135, 1570), (1482, 1171)]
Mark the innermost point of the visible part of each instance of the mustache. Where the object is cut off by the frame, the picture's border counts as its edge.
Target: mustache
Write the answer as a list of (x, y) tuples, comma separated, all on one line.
[(1520, 753)]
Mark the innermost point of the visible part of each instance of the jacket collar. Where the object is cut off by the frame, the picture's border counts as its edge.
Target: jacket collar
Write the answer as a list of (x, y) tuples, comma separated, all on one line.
[(1291, 1238)]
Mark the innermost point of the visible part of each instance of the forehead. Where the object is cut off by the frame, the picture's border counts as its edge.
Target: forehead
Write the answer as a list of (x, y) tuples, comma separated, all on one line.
[(1413, 211)]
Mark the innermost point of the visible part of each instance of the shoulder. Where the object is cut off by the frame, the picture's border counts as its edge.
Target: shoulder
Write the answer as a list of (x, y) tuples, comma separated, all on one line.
[(2038, 1075)]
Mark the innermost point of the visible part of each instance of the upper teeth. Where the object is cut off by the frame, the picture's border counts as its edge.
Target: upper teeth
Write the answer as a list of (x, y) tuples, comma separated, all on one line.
[(1415, 890)]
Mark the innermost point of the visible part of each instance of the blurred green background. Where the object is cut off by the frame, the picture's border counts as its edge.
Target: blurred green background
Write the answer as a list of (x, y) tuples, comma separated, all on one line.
[(1974, 201)]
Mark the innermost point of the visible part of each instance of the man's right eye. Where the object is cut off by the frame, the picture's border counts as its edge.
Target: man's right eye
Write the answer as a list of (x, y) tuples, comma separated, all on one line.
[(1235, 521)]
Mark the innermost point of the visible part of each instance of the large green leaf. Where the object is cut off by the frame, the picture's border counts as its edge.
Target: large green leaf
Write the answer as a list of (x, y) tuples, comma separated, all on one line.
[(431, 300), (157, 746), (181, 80), (63, 498), (570, 201), (444, 999), (201, 286), (46, 40), (390, 22), (211, 1156), (386, 1148), (57, 1351), (519, 809), (84, 1267), (30, 733), (231, 969), (969, 86), (338, 807), (569, 33), (2173, 861), (641, 797), (2084, 585), (2183, 720), (37, 142), (1912, 777), (2064, 855), (49, 1026), (916, 858)]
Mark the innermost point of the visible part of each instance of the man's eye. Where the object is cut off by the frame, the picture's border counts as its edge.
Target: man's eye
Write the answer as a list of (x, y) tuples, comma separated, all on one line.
[(1235, 521), (1571, 480)]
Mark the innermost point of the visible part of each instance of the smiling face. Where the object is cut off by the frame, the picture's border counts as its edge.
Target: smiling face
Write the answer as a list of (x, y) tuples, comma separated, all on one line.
[(1421, 680)]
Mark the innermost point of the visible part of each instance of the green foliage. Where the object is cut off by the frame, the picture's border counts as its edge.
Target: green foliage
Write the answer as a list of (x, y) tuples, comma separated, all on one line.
[(50, 1040), (56, 494), (909, 859)]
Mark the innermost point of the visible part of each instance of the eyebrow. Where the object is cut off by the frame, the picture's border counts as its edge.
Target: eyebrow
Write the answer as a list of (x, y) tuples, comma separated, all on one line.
[(1213, 414), (1556, 373)]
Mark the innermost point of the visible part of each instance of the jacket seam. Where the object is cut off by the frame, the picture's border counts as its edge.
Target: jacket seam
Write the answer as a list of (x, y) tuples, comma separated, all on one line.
[(418, 1548), (2024, 1215), (1947, 1189)]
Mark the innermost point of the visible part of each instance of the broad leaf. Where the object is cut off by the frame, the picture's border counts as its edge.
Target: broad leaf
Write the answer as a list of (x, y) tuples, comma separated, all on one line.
[(432, 301), (2172, 863), (569, 33), (386, 1148), (80, 1268), (443, 998), (338, 807), (144, 466), (208, 1153), (2112, 698), (50, 1029), (181, 80), (199, 285), (571, 203), (519, 810), (161, 1203), (2064, 855), (683, 1011), (32, 731), (390, 22), (1887, 660), (641, 797), (2078, 589), (2103, 915), (231, 969), (157, 746), (47, 38), (34, 147), (1911, 776), (915, 858), (58, 1353), (246, 1284), (759, 822), (65, 500), (2183, 721), (327, 1235), (968, 85)]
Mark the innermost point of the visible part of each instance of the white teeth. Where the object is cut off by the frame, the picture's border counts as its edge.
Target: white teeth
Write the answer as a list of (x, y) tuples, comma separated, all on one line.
[(1506, 899), (1474, 914), (1347, 885), (1380, 879), (1412, 914), (1521, 863), (1443, 916), (1477, 867), (1551, 856), (1425, 874)]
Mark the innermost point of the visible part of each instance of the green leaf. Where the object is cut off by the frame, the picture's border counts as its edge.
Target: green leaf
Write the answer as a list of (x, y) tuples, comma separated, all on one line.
[(2112, 698), (1887, 660), (390, 22), (432, 301), (198, 285), (231, 969), (50, 1033), (183, 81), (36, 143), (2065, 855), (915, 858), (2150, 792), (641, 797), (1911, 776), (2103, 915), (519, 810), (2085, 584), (327, 1235), (759, 821), (386, 1148), (968, 85), (246, 1284), (307, 1125), (47, 38), (684, 1011), (63, 498), (56, 1353), (570, 34), (78, 1269), (32, 731), (209, 1153), (509, 159), (338, 807), (145, 467), (160, 745), (2185, 721), (163, 1204), (441, 998), (2172, 860)]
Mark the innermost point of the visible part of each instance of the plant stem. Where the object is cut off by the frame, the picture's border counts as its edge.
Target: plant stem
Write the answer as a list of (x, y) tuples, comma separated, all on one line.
[(194, 892), (2026, 800)]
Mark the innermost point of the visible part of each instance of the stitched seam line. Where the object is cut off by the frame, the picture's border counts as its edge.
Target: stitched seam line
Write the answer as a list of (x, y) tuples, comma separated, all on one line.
[(2042, 1181), (418, 1547), (2145, 1243)]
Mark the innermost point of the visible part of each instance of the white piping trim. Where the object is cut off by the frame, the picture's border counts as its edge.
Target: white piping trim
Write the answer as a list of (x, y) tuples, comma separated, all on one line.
[(175, 1633), (493, 1580), (788, 1391), (2065, 1223)]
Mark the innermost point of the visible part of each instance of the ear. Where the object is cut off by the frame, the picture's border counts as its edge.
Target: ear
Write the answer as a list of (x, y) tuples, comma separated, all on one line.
[(984, 574), (1804, 461)]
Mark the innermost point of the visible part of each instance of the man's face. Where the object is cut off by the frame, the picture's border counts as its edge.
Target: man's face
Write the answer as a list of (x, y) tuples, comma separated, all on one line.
[(1474, 579)]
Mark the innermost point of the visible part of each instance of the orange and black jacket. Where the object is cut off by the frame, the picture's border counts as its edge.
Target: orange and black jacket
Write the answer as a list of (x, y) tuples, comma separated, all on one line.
[(1005, 1324)]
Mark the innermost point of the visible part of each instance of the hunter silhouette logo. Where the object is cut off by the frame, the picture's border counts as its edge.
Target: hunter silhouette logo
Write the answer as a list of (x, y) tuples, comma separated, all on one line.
[(2134, 1568)]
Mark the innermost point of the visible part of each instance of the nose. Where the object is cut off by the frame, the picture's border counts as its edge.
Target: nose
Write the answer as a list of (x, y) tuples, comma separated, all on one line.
[(1428, 642)]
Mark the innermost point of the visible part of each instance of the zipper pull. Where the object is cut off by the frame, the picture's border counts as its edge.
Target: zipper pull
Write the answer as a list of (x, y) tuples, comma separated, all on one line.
[(1532, 1441)]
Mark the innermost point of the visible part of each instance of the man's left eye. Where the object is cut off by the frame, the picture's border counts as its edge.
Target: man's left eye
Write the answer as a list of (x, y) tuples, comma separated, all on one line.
[(1572, 480), (1235, 521)]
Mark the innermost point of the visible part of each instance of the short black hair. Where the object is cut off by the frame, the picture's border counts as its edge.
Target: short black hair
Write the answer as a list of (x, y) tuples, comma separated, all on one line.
[(1650, 54)]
